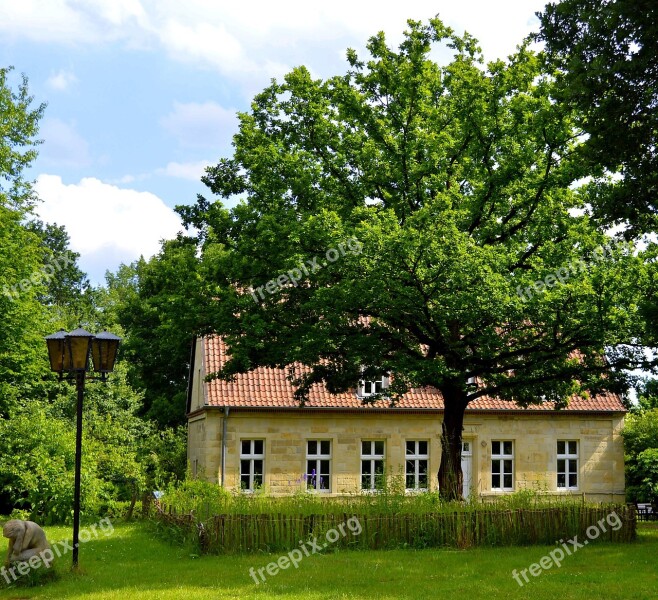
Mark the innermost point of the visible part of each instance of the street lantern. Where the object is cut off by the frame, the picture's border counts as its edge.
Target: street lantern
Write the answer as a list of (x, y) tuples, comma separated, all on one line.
[(69, 355)]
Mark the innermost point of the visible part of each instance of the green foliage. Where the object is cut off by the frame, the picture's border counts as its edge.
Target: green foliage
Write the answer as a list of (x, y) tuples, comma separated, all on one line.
[(606, 56), (460, 183), (120, 461), (648, 395), (641, 447)]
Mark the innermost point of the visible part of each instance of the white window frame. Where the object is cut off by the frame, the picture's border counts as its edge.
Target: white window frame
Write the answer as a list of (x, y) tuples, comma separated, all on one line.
[(501, 458), (568, 457), (416, 457), (317, 457), (368, 387), (373, 458), (252, 456)]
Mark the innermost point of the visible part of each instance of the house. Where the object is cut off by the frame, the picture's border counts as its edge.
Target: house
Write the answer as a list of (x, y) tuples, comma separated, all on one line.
[(251, 432)]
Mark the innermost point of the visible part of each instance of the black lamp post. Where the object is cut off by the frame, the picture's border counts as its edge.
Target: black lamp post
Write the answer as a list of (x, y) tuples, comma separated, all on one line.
[(69, 355)]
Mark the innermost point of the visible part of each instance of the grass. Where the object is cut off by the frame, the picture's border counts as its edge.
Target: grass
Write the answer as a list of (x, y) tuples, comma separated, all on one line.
[(133, 563)]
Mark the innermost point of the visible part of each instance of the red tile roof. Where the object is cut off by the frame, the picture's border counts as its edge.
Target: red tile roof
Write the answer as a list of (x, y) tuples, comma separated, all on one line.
[(265, 387)]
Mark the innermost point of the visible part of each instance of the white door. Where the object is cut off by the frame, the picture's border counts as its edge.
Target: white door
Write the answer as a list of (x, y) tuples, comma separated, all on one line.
[(467, 468)]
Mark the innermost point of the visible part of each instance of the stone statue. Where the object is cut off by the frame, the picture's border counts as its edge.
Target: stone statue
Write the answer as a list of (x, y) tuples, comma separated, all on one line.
[(26, 539)]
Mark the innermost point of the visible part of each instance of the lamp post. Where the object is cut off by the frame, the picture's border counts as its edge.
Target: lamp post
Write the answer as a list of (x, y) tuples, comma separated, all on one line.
[(69, 355)]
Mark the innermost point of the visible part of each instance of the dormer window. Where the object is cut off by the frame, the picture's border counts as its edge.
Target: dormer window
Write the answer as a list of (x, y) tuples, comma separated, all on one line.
[(371, 387)]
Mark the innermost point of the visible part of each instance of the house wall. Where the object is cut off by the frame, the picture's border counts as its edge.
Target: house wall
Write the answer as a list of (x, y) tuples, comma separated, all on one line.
[(601, 456), (197, 399)]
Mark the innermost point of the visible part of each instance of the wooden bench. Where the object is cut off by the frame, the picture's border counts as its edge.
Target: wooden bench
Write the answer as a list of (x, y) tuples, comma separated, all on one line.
[(646, 511)]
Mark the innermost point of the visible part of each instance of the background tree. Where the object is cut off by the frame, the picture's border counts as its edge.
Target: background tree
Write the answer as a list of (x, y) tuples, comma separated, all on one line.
[(606, 54), (641, 449), (18, 129), (158, 305), (456, 181), (22, 317)]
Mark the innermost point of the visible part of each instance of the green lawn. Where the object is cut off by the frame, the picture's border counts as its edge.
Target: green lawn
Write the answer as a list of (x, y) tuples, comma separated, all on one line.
[(131, 564)]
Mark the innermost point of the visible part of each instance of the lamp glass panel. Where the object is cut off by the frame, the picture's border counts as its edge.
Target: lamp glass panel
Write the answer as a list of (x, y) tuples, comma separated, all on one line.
[(79, 349), (56, 354)]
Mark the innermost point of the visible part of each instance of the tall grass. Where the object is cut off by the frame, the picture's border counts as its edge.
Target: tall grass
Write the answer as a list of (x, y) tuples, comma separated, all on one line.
[(218, 521)]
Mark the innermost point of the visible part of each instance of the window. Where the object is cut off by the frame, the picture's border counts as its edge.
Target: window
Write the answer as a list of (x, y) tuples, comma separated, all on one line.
[(251, 464), (567, 465), (372, 387), (372, 465), (502, 465), (416, 465), (318, 465)]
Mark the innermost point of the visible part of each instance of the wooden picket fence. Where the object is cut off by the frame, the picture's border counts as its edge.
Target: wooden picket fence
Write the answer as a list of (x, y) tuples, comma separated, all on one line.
[(238, 533)]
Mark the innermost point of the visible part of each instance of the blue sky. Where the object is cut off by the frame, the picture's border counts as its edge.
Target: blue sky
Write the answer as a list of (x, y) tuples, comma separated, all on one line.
[(142, 94)]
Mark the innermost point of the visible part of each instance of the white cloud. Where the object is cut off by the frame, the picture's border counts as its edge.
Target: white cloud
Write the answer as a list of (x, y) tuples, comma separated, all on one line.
[(262, 39), (61, 80), (63, 146), (204, 125), (107, 224), (73, 21), (192, 171)]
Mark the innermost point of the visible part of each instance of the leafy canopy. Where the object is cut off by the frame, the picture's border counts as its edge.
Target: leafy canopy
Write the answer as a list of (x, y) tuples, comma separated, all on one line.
[(458, 182)]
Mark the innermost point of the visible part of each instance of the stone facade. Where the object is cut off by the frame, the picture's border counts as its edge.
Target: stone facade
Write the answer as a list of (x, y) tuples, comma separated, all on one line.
[(534, 436)]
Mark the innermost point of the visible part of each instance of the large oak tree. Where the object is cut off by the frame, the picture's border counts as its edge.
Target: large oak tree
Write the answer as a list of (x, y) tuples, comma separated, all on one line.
[(457, 180)]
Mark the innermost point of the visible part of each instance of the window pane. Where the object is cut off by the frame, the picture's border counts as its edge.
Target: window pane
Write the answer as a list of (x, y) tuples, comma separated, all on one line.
[(411, 447), (507, 466), (245, 467), (495, 447), (561, 480), (378, 387), (365, 482), (379, 448), (573, 480), (365, 447), (573, 447), (422, 473), (560, 465), (422, 447), (508, 480), (410, 467), (258, 446), (495, 481), (246, 447), (560, 447), (258, 467), (310, 465), (367, 387), (507, 446), (324, 483), (258, 480), (312, 447), (495, 466), (324, 467), (366, 467), (325, 447), (466, 446), (244, 482), (410, 481), (573, 465)]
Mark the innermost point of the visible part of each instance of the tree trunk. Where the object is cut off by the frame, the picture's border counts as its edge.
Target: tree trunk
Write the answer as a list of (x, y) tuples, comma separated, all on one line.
[(451, 478)]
